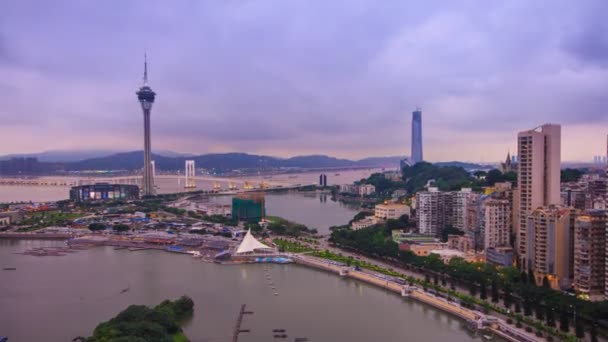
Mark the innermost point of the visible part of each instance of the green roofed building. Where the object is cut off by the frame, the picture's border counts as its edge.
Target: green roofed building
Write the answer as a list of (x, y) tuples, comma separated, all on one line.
[(248, 208)]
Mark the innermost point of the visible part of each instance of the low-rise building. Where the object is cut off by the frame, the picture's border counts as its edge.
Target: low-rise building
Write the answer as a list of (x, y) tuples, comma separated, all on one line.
[(5, 221), (391, 211), (463, 243), (501, 256), (366, 189), (349, 189), (364, 223), (104, 191)]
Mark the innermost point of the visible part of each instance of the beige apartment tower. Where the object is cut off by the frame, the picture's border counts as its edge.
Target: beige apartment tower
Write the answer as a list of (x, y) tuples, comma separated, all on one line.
[(538, 180), (590, 253), (497, 223), (548, 241)]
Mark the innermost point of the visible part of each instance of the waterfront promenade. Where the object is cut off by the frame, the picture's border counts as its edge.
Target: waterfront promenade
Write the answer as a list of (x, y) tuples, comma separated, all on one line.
[(497, 325)]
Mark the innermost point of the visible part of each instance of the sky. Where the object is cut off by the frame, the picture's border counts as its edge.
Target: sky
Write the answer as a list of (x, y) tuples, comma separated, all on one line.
[(299, 77)]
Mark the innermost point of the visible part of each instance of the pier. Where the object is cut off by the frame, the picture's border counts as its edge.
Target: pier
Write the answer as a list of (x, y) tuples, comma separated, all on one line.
[(239, 321)]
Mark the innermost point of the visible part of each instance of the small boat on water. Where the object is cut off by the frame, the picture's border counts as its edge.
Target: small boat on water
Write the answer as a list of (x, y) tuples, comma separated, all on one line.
[(276, 293), (278, 330), (280, 336), (125, 290), (10, 268), (488, 337)]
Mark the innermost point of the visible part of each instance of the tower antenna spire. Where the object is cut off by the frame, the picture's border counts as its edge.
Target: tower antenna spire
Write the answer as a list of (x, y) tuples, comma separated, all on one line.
[(145, 69)]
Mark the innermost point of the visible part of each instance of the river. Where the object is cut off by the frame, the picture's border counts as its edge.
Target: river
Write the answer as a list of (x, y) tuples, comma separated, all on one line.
[(59, 298)]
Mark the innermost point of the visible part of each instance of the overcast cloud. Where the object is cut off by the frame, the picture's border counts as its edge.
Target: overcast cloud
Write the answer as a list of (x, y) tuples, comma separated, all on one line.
[(301, 77)]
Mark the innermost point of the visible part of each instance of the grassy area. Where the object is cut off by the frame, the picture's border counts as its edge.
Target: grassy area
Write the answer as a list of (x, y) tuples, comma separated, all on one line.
[(48, 218), (292, 247), (355, 262), (179, 337)]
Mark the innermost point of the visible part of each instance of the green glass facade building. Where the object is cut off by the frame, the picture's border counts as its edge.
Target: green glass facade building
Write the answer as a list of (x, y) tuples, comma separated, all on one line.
[(248, 208)]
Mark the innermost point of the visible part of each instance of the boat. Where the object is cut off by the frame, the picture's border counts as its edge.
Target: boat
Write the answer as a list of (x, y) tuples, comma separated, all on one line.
[(278, 330), (280, 336), (487, 337), (276, 293), (10, 268), (337, 174), (125, 290), (293, 177)]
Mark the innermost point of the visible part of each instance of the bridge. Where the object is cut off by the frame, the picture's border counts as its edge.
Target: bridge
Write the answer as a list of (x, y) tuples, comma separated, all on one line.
[(219, 183)]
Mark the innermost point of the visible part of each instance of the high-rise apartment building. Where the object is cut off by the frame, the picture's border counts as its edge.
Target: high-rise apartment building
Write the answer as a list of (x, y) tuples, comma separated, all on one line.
[(416, 155), (433, 208), (548, 245), (590, 252), (538, 178), (497, 223), (463, 202), (429, 211)]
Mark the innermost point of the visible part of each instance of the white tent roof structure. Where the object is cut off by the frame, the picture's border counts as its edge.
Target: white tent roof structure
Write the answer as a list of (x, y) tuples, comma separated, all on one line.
[(250, 244)]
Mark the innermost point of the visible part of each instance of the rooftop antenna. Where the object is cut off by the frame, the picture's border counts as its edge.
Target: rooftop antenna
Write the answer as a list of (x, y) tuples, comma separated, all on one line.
[(145, 69)]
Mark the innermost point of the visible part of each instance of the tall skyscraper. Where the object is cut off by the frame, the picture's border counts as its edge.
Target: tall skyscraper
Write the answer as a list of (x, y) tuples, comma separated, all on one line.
[(538, 180), (146, 96), (416, 155)]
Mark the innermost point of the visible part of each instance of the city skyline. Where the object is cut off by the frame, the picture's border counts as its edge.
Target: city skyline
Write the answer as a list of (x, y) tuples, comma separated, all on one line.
[(269, 79)]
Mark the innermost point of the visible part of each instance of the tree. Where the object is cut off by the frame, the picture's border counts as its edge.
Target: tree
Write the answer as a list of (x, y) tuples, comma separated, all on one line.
[(473, 289), (531, 279), (551, 317), (593, 331), (97, 226), (524, 277), (571, 175), (527, 307), (540, 312), (494, 290), (494, 176), (546, 282), (507, 296), (435, 279), (517, 307), (579, 329), (564, 320), (119, 228), (483, 291)]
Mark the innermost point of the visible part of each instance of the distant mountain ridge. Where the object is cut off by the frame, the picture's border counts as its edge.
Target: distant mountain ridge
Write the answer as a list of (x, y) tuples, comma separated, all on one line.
[(224, 162), (63, 156)]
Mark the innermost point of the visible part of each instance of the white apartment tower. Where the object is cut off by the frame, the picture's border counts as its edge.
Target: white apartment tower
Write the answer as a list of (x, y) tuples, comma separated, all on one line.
[(538, 181), (430, 211)]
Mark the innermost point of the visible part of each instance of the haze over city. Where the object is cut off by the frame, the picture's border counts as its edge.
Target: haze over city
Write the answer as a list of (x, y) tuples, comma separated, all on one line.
[(304, 77)]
